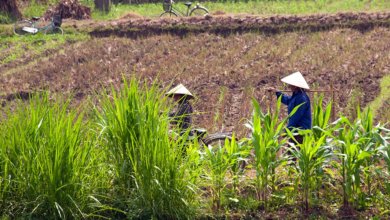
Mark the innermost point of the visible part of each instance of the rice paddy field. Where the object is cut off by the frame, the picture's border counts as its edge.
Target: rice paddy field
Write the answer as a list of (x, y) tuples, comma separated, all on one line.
[(85, 132)]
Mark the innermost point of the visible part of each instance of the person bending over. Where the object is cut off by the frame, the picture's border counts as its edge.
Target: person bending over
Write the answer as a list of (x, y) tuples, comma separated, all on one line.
[(182, 117)]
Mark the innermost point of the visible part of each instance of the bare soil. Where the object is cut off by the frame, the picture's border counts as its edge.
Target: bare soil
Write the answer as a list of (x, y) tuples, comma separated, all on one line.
[(224, 71)]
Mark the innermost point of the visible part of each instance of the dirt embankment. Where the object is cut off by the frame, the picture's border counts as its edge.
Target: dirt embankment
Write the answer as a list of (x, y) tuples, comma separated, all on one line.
[(226, 24)]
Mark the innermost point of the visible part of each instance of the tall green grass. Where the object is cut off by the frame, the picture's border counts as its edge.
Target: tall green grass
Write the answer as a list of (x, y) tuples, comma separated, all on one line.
[(150, 178), (45, 152)]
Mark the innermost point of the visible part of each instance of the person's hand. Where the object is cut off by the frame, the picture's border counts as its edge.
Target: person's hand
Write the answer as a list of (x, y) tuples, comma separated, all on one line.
[(270, 89)]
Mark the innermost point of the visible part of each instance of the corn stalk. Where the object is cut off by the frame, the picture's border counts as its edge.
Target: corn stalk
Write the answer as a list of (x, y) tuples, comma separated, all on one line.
[(219, 160), (267, 141), (374, 141), (311, 156), (321, 117), (353, 156)]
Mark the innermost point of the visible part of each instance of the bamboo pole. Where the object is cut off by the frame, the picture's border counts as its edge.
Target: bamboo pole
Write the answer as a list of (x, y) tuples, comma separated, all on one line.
[(333, 103), (306, 90)]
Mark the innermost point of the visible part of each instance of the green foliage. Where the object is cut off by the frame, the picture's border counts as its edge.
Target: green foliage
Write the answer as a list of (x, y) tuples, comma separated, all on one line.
[(266, 133), (350, 155), (296, 7), (5, 18), (34, 10), (353, 150), (239, 152), (35, 45), (321, 117), (125, 163), (380, 101), (385, 152), (45, 152), (218, 161), (311, 157), (149, 172)]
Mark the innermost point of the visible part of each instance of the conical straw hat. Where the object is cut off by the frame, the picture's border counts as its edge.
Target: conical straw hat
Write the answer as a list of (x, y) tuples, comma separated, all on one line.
[(179, 90), (296, 79)]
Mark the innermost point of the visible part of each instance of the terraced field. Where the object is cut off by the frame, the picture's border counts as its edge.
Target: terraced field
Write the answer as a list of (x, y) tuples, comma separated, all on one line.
[(224, 60)]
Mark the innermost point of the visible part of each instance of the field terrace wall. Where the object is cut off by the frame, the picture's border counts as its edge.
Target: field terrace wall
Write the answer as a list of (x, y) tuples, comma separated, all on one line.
[(225, 25)]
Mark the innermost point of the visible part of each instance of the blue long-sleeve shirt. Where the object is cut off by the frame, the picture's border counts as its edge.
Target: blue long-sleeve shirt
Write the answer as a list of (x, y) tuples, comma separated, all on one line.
[(302, 117)]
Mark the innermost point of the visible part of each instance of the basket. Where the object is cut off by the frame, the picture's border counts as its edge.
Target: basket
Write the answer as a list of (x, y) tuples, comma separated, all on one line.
[(167, 5)]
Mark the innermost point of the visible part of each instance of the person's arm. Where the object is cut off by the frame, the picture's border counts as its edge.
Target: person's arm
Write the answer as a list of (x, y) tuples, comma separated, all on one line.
[(285, 99)]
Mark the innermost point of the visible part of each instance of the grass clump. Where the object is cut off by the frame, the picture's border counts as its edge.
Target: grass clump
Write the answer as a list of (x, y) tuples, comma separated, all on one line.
[(381, 100), (148, 165), (35, 45), (5, 18), (45, 152)]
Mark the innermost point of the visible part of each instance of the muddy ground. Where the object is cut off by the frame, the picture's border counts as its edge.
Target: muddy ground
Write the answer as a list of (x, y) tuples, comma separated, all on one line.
[(223, 71)]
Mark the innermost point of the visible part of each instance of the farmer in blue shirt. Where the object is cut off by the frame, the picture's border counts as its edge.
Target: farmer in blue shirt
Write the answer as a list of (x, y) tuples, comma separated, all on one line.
[(301, 119)]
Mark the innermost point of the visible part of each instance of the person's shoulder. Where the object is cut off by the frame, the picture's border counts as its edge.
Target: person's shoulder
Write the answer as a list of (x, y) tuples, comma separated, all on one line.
[(306, 95), (302, 96)]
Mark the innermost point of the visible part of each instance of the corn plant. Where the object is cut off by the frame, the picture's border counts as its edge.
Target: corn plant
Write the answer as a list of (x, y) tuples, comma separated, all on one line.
[(321, 127), (374, 140), (239, 152), (44, 152), (321, 117), (384, 151), (267, 141), (311, 157), (219, 160), (353, 157), (150, 174)]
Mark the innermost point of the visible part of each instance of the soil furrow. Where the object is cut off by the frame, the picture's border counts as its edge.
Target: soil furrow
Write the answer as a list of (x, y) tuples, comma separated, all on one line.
[(354, 62)]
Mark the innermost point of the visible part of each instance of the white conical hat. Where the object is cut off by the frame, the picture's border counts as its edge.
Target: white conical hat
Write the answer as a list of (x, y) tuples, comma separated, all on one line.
[(296, 79), (179, 90)]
